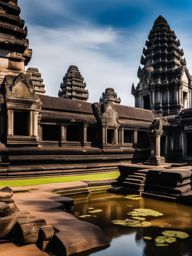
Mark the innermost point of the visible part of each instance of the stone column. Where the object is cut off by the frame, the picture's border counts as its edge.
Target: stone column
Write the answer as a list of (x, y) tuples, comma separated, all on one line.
[(122, 136), (31, 120), (10, 122), (135, 137), (104, 131), (35, 124), (40, 130), (63, 134), (158, 144), (84, 134), (116, 141)]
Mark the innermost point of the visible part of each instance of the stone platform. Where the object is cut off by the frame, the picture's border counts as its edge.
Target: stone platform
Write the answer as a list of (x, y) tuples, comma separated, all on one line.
[(168, 182)]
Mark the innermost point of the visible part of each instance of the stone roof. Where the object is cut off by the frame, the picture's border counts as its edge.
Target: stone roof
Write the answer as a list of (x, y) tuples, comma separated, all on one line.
[(76, 106), (135, 113)]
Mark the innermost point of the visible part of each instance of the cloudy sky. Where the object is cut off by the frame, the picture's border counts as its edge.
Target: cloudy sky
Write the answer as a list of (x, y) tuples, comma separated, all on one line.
[(104, 38)]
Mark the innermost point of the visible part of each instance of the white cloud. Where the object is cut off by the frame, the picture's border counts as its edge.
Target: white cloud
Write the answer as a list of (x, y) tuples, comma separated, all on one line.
[(56, 49)]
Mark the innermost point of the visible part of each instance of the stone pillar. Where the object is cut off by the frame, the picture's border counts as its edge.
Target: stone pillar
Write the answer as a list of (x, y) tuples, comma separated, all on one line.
[(10, 128), (40, 131), (116, 141), (85, 134), (31, 120), (158, 144), (36, 114), (104, 135), (135, 137), (63, 134), (122, 136)]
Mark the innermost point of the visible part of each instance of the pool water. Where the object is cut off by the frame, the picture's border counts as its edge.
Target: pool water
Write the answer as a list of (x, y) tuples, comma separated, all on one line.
[(129, 241)]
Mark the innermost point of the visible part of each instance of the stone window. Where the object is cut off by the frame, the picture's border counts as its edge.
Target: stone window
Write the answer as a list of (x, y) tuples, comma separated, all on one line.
[(185, 96), (146, 102), (143, 139), (163, 144), (21, 123), (128, 136), (92, 134), (189, 143), (74, 132), (110, 136), (51, 132)]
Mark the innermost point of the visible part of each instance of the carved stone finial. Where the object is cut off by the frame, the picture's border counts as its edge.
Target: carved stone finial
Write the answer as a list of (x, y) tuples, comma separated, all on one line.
[(36, 80), (110, 96), (73, 85)]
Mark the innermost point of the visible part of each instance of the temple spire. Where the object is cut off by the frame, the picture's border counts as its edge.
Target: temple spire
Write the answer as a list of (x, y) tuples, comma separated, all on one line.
[(36, 80), (14, 45), (165, 82), (110, 96), (73, 85)]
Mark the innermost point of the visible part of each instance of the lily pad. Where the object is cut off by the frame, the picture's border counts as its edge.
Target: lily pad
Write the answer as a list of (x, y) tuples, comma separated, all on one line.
[(165, 239), (85, 216), (161, 245), (160, 239), (148, 238), (174, 233), (132, 223), (91, 208), (133, 197), (95, 211), (142, 212), (139, 218)]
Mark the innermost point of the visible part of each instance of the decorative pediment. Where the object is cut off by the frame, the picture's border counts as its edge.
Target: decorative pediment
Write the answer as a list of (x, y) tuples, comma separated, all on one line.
[(106, 114), (110, 117), (20, 90), (18, 87)]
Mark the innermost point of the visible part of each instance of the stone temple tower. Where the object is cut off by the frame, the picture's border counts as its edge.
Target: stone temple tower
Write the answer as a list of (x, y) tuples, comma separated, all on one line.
[(164, 80), (14, 45), (73, 85)]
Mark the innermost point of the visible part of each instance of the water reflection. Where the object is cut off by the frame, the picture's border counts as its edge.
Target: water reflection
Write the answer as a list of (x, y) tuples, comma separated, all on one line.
[(129, 241)]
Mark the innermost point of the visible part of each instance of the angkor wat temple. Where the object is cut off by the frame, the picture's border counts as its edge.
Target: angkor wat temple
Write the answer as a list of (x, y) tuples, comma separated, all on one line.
[(45, 135)]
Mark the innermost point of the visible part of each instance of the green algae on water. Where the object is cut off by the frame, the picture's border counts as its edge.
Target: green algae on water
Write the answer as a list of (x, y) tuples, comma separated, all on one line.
[(148, 238), (95, 211), (132, 223), (85, 216), (133, 197), (142, 212), (139, 218), (175, 233)]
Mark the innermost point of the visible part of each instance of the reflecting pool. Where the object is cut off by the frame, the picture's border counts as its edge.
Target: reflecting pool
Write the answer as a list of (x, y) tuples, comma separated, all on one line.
[(102, 209)]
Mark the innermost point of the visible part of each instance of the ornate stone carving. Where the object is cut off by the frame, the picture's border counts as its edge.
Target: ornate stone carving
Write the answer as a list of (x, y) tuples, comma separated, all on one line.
[(164, 72), (36, 80), (110, 96), (73, 86), (14, 50)]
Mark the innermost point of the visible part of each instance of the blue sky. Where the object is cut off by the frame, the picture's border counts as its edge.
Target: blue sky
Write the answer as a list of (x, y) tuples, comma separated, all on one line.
[(104, 38)]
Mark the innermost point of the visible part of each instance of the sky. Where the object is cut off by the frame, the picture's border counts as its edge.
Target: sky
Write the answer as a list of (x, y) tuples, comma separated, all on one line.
[(104, 38)]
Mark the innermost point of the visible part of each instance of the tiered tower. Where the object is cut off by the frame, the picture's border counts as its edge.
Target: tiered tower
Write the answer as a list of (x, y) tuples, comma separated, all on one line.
[(73, 86), (14, 51), (36, 79), (110, 96), (165, 83)]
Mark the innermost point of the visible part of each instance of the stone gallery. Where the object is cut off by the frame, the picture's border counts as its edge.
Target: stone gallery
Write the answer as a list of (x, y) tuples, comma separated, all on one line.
[(149, 145), (76, 135)]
